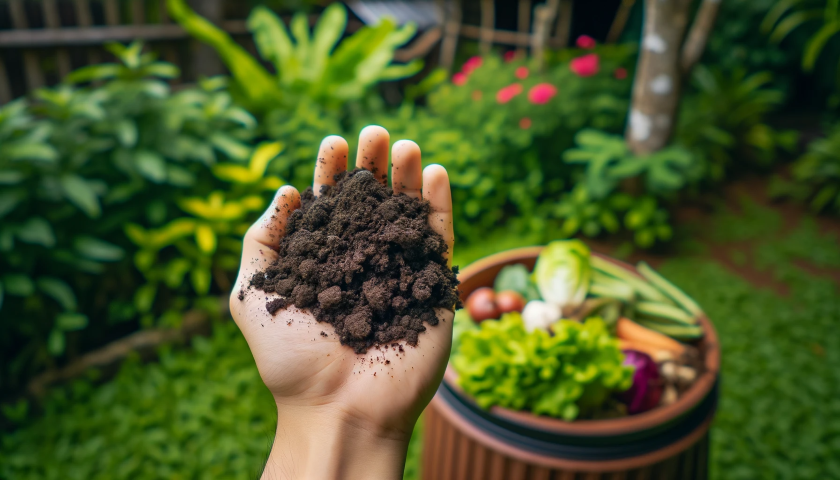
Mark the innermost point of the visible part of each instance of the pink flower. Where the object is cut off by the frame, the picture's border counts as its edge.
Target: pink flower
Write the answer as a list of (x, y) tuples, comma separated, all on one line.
[(585, 66), (522, 73), (459, 78), (472, 64), (510, 55), (476, 95), (525, 123), (506, 94), (620, 73), (541, 93), (585, 41)]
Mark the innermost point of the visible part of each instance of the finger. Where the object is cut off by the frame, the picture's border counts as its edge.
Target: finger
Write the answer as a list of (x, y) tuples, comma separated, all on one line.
[(406, 169), (373, 151), (332, 160), (436, 192), (263, 238)]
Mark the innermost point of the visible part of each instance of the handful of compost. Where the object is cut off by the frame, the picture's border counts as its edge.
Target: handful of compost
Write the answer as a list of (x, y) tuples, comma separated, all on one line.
[(363, 260)]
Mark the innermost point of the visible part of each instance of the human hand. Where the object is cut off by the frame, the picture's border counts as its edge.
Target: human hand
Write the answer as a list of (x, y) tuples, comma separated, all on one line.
[(340, 414)]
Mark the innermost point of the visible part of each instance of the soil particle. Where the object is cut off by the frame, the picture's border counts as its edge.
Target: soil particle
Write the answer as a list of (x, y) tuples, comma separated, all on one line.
[(364, 261), (276, 304)]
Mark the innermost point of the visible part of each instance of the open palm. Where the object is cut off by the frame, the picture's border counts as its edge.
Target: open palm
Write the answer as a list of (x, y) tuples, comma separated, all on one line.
[(386, 388)]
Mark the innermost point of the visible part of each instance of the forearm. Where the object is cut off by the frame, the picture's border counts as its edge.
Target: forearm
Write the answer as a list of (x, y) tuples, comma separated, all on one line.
[(322, 443)]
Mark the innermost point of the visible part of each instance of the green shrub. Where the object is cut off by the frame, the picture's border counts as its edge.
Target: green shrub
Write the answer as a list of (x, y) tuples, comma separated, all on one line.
[(316, 66), (76, 165), (724, 121), (817, 174)]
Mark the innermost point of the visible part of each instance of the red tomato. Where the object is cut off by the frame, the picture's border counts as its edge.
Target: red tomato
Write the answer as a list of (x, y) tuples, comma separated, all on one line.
[(481, 305), (510, 301)]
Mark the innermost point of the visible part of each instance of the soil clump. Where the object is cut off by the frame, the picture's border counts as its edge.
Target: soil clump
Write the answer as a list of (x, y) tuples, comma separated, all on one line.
[(364, 261)]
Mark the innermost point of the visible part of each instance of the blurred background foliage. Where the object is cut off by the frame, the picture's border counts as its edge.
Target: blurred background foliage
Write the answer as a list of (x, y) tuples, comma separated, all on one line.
[(123, 201)]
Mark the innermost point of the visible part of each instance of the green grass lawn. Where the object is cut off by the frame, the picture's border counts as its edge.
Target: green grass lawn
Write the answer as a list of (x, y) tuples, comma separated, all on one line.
[(203, 412)]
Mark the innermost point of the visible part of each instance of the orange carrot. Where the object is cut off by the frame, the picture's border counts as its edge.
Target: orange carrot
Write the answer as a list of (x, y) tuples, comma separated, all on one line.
[(634, 333), (656, 353)]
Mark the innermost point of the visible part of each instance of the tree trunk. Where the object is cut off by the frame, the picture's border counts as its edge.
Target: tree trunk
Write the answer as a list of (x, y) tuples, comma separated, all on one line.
[(701, 28), (656, 91)]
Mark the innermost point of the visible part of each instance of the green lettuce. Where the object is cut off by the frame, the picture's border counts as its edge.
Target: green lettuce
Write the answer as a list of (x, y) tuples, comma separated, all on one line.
[(566, 375), (563, 273)]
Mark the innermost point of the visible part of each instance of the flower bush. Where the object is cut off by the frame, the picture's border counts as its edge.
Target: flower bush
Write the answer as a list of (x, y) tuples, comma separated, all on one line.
[(500, 127)]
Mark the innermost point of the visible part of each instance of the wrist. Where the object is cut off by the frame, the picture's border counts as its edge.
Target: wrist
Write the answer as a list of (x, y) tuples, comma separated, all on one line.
[(323, 442)]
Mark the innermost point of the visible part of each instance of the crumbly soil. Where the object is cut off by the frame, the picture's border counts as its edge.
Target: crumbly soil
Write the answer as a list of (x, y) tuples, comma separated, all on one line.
[(363, 260)]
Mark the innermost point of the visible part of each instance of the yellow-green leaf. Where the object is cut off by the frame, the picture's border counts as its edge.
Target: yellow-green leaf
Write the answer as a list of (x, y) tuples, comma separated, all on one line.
[(205, 238)]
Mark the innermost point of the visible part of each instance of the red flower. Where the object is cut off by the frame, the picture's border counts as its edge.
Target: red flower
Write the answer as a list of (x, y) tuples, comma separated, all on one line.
[(521, 73), (585, 41), (525, 123), (541, 93), (585, 66), (459, 78), (476, 95), (620, 73), (510, 55), (472, 64), (506, 94)]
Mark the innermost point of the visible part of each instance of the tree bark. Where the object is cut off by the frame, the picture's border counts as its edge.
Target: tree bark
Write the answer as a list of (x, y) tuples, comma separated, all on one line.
[(656, 90), (698, 35)]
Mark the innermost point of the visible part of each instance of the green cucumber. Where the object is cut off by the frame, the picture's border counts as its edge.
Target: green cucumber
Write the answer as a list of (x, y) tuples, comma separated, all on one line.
[(667, 312), (670, 289), (677, 332), (643, 288)]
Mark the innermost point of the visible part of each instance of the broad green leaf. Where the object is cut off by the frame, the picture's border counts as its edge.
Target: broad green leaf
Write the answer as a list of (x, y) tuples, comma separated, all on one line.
[(792, 22), (55, 342), (776, 12), (396, 72), (2, 295), (136, 234), (59, 291), (175, 271), (79, 193), (273, 42), (36, 231), (18, 285), (234, 173), (263, 155), (255, 82), (200, 277), (99, 250), (102, 71), (328, 32), (10, 177), (162, 70), (126, 131), (230, 147), (180, 177), (68, 321), (23, 150), (144, 297), (151, 165), (205, 238), (816, 43)]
